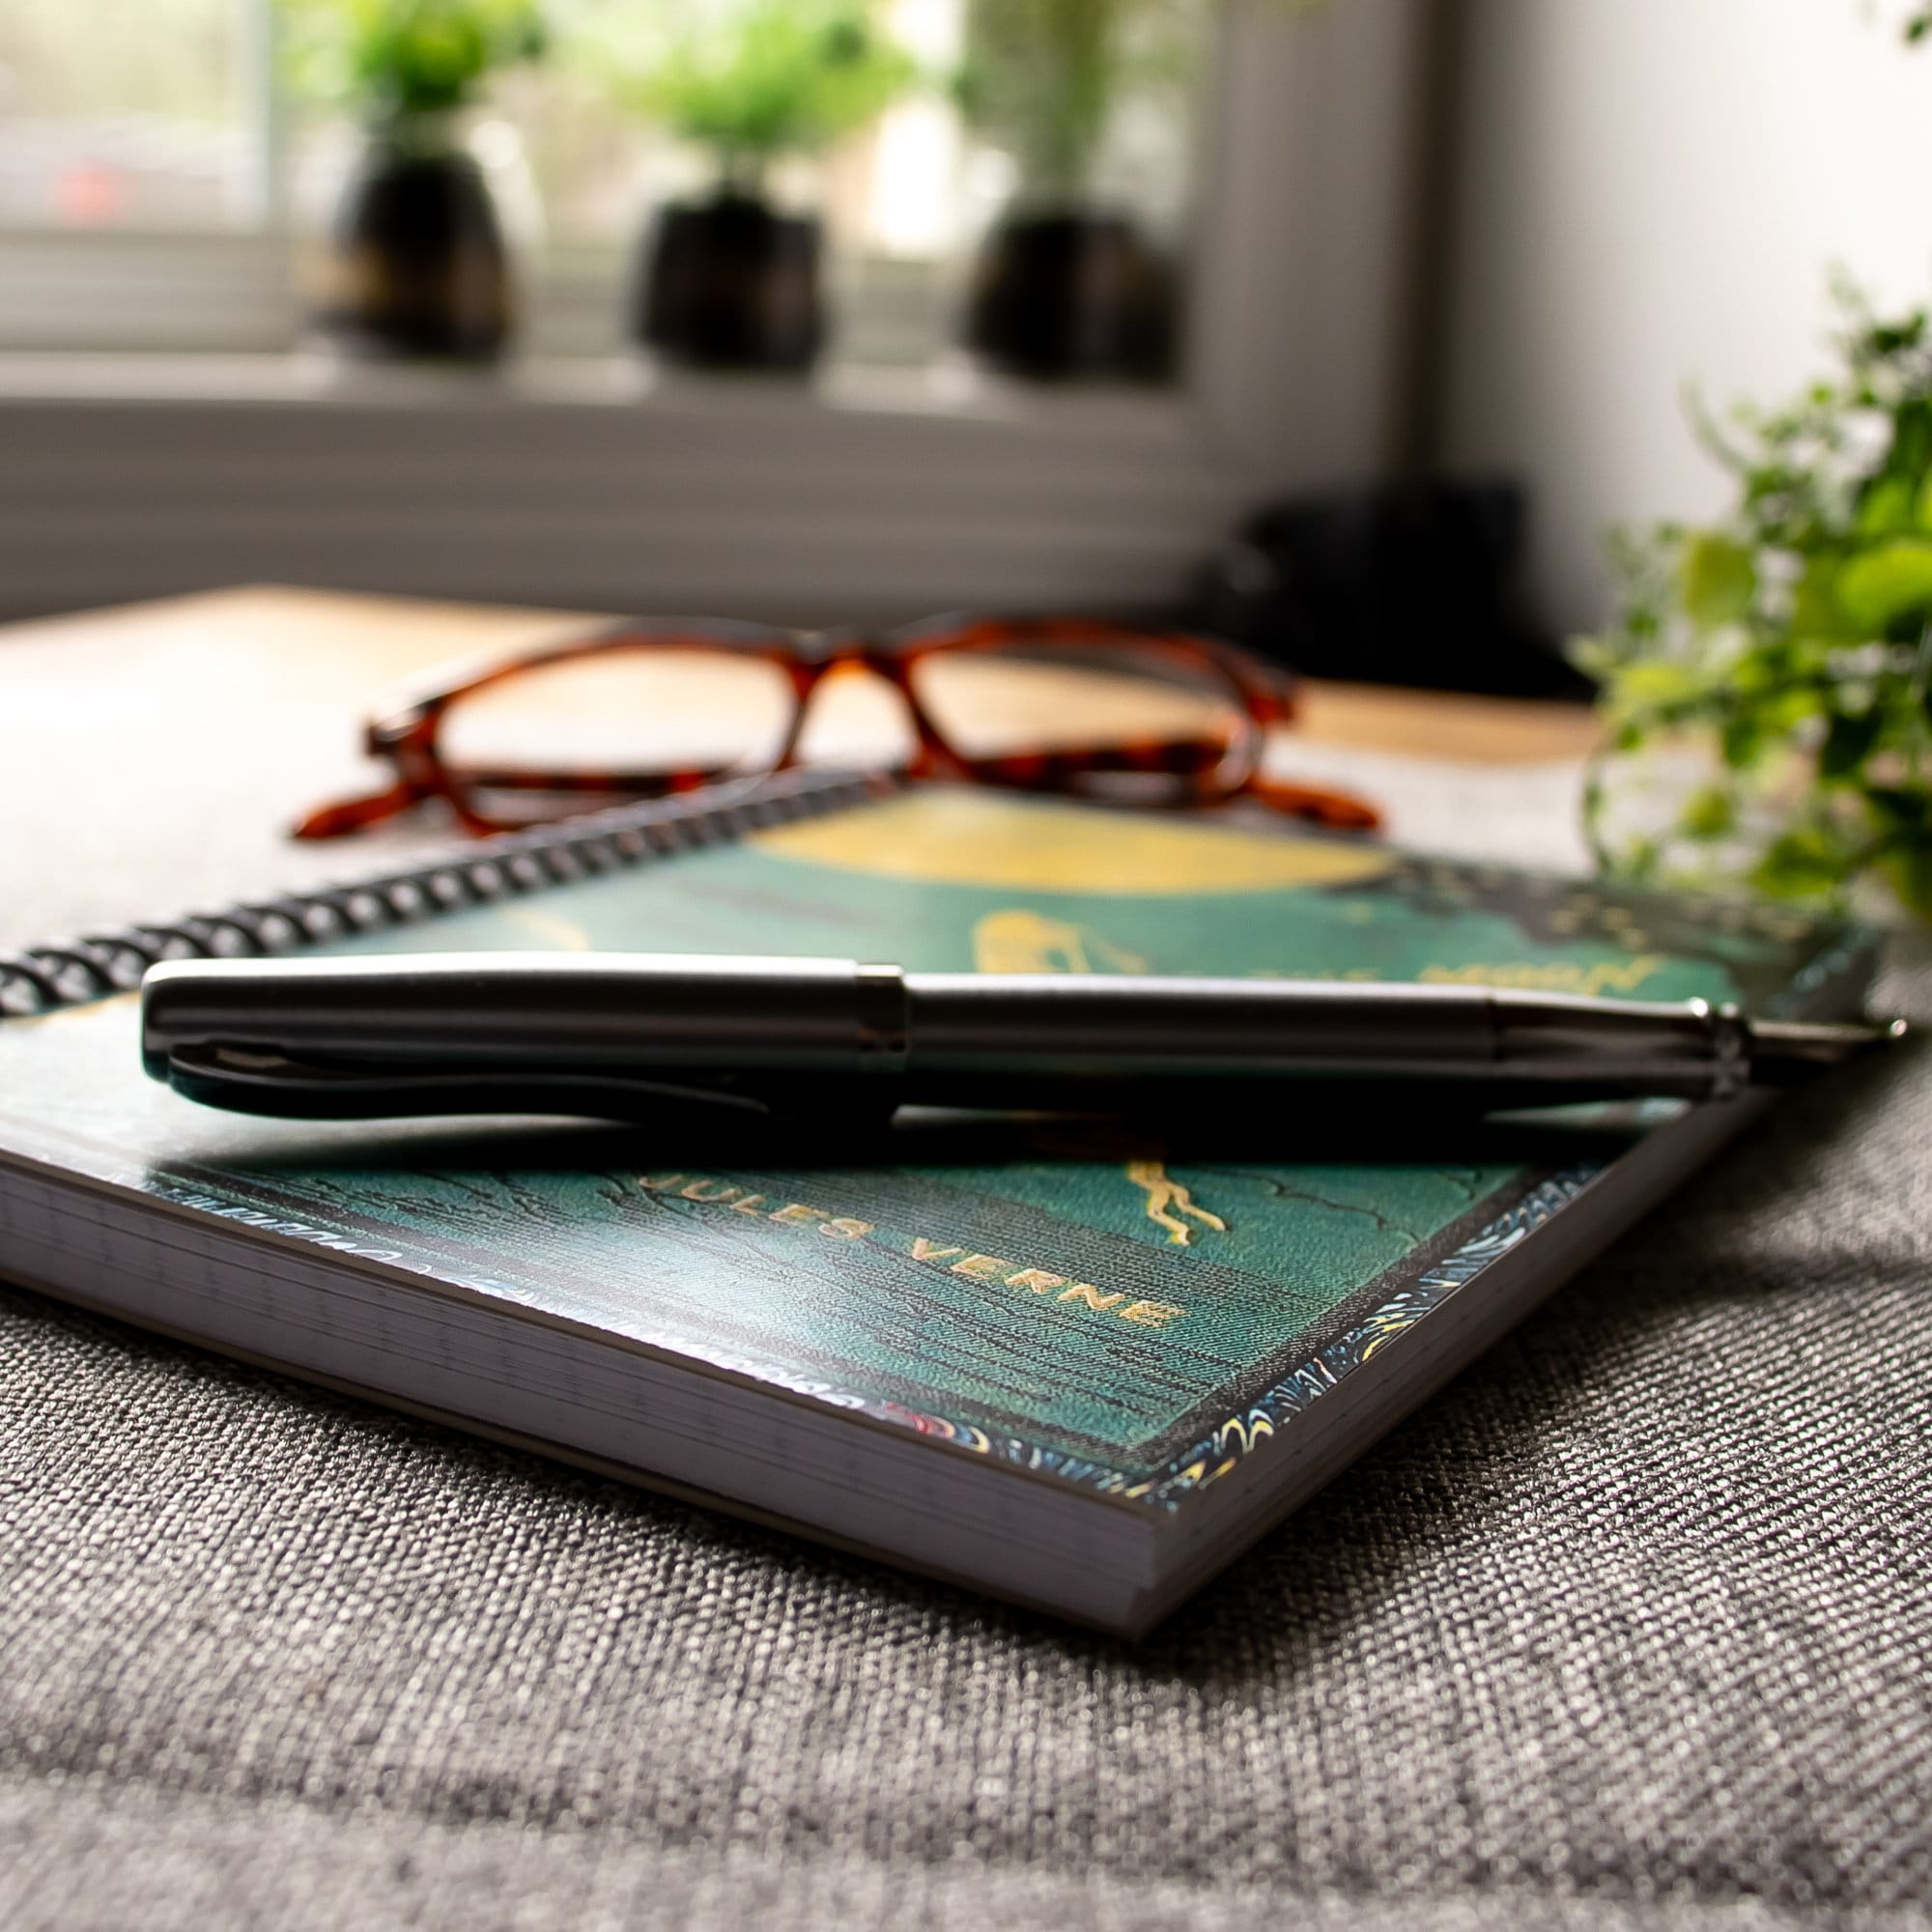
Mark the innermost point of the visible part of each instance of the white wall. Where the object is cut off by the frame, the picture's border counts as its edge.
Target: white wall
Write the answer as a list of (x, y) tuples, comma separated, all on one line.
[(1651, 192)]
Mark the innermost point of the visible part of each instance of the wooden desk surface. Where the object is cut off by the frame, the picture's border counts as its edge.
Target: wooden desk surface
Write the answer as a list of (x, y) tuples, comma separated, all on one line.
[(155, 754)]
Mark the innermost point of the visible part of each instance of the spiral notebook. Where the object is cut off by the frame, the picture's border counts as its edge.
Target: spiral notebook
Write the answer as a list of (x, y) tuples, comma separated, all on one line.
[(1075, 1366)]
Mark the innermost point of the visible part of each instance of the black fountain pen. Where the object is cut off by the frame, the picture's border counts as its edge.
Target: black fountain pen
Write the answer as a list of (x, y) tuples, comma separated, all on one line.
[(617, 1036)]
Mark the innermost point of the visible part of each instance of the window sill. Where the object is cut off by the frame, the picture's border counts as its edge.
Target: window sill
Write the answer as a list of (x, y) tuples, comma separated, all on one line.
[(863, 496), (947, 390)]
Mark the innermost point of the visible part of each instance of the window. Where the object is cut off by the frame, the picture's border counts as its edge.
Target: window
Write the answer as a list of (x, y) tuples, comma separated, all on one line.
[(174, 117), (144, 114)]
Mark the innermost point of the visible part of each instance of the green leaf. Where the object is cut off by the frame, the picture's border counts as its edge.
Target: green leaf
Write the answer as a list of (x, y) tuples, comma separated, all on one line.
[(1716, 581), (1814, 605), (1889, 509), (1804, 863), (1640, 860), (406, 57), (1880, 586), (1848, 742), (769, 77), (1595, 657), (1909, 873), (1709, 814), (1657, 684), (1910, 451), (1742, 743), (1902, 809)]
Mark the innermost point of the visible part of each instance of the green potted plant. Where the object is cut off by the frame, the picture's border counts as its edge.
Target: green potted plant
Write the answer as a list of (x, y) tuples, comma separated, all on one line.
[(418, 264), (1066, 286), (732, 281), (1767, 683)]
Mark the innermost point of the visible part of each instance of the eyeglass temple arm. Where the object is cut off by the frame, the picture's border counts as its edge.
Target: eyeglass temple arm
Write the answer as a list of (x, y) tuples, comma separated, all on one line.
[(657, 779), (1340, 810), (1181, 757), (353, 814)]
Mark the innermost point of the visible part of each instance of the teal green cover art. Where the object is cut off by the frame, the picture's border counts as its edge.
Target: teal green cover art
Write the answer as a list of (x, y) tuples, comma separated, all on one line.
[(1127, 1315)]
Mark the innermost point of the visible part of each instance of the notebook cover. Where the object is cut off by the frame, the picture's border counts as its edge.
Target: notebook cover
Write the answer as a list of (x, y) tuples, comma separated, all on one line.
[(1129, 1318)]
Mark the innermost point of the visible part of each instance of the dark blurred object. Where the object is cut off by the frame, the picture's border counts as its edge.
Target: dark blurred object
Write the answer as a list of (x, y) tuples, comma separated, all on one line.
[(1057, 297), (1403, 584), (732, 284), (419, 265)]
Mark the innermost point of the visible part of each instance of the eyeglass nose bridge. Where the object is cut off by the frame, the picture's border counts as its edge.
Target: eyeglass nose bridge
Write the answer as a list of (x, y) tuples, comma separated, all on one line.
[(861, 662), (392, 730), (406, 741)]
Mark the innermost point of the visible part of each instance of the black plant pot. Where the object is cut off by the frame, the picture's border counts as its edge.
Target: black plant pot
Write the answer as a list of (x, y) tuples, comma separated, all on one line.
[(731, 284), (420, 267), (1057, 297)]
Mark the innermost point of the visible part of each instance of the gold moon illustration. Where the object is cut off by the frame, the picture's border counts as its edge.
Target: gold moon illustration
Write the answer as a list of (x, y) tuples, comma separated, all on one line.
[(968, 838)]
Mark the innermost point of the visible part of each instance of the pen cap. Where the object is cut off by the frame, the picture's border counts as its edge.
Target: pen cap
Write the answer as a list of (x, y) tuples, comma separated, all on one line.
[(535, 1012)]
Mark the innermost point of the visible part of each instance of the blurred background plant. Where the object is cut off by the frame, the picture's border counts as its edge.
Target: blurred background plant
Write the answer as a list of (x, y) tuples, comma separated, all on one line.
[(396, 58), (1072, 282), (1045, 79), (1765, 682), (733, 281), (1065, 285), (748, 83), (420, 265)]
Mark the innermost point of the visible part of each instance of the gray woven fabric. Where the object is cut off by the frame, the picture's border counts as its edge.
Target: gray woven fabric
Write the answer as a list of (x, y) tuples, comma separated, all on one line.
[(1627, 1627)]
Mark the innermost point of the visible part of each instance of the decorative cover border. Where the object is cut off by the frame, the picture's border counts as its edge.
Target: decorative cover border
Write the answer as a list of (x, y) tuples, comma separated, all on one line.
[(1242, 1436), (1165, 1487)]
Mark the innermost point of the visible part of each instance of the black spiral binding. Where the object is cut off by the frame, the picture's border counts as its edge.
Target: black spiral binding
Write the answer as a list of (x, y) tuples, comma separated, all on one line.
[(97, 965)]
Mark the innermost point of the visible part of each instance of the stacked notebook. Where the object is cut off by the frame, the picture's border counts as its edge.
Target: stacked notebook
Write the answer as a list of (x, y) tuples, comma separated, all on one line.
[(1073, 1366)]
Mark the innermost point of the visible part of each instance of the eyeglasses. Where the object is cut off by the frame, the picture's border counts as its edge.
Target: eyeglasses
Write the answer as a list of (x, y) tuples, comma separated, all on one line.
[(657, 705)]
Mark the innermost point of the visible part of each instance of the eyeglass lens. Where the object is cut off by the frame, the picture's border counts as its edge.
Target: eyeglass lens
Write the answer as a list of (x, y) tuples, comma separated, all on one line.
[(571, 733), (1133, 721)]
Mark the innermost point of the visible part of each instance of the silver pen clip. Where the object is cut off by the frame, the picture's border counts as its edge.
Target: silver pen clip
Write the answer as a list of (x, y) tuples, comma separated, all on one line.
[(249, 1081)]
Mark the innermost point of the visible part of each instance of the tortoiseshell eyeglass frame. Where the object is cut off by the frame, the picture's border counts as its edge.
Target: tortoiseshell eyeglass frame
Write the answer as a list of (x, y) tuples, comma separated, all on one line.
[(1203, 770)]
